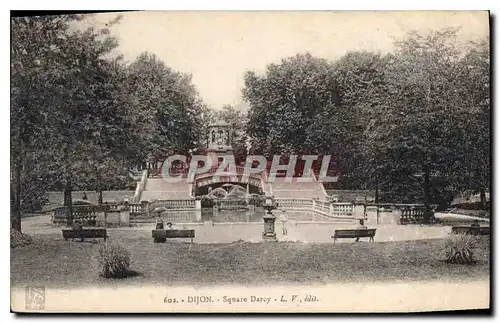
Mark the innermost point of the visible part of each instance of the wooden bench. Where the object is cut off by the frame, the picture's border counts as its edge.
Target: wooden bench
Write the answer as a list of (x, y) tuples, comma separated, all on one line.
[(84, 233), (483, 231), (354, 233), (162, 235)]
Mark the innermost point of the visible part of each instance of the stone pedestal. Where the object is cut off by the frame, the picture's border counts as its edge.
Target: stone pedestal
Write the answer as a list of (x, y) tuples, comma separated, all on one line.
[(269, 233), (371, 215), (390, 216), (358, 211), (145, 207), (124, 218), (113, 219), (101, 219)]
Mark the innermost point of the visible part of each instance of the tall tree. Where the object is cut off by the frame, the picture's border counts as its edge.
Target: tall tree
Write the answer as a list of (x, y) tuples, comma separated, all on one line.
[(64, 101), (169, 109), (474, 87), (416, 133), (284, 102), (339, 128), (34, 56)]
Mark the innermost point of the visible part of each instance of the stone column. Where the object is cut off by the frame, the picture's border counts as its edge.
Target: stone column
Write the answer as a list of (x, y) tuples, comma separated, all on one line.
[(396, 216), (198, 210), (125, 218), (371, 215), (101, 219), (145, 207), (358, 211)]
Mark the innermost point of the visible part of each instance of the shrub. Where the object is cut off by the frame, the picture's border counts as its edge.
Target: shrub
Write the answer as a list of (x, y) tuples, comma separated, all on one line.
[(459, 248), (257, 200), (114, 261), (19, 239)]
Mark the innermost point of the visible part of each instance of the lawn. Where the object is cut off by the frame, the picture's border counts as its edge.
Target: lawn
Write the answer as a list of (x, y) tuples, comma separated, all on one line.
[(53, 262)]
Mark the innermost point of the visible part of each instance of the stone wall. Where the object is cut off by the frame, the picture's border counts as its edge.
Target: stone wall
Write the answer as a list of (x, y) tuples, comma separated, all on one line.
[(57, 198), (385, 216), (114, 218)]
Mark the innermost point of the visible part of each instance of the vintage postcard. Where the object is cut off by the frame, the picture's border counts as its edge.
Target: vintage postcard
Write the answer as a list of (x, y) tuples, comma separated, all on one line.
[(235, 162)]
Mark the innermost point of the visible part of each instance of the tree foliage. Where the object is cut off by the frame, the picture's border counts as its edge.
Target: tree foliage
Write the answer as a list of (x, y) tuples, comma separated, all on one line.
[(168, 109), (413, 124), (81, 118), (284, 103)]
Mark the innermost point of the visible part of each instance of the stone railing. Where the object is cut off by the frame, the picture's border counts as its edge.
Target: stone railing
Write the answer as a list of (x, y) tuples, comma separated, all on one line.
[(412, 214), (239, 170), (60, 215), (93, 215), (289, 203), (146, 208), (341, 209), (172, 204), (321, 206), (137, 208), (396, 213)]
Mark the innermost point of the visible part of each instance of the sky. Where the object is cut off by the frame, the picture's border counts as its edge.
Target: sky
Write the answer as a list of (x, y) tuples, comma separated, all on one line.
[(218, 47)]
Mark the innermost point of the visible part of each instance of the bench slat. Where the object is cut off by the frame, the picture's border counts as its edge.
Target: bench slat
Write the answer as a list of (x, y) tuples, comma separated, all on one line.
[(162, 235), (354, 233), (470, 230), (84, 233)]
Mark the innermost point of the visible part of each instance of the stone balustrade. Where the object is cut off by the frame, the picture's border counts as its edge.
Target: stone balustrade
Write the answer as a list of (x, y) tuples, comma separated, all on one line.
[(136, 208), (412, 214), (93, 215), (322, 206), (342, 209), (295, 203), (172, 204)]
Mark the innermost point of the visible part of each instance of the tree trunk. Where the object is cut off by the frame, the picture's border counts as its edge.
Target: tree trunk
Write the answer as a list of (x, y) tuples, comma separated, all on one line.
[(99, 189), (426, 194), (16, 197), (482, 195), (68, 200)]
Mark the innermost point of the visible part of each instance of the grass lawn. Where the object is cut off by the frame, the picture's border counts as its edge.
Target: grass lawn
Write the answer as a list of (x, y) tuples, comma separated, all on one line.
[(53, 262)]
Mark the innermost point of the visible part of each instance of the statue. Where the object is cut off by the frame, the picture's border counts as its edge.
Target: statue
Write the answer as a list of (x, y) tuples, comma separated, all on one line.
[(220, 138)]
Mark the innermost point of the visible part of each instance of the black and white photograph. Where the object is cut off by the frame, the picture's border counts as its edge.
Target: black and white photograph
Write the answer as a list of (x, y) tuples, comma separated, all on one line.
[(250, 162)]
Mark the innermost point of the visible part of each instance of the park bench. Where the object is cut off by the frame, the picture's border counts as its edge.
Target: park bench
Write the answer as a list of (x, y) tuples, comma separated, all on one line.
[(162, 235), (354, 233), (483, 231), (84, 233)]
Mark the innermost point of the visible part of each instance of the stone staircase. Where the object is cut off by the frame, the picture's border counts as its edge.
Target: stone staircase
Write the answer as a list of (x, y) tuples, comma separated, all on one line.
[(296, 189), (160, 189)]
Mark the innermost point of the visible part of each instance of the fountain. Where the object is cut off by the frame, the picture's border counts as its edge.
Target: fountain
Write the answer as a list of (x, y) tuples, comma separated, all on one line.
[(234, 198)]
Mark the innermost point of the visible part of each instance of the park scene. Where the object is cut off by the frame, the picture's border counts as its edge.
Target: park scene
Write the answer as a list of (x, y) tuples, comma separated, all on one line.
[(371, 165)]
